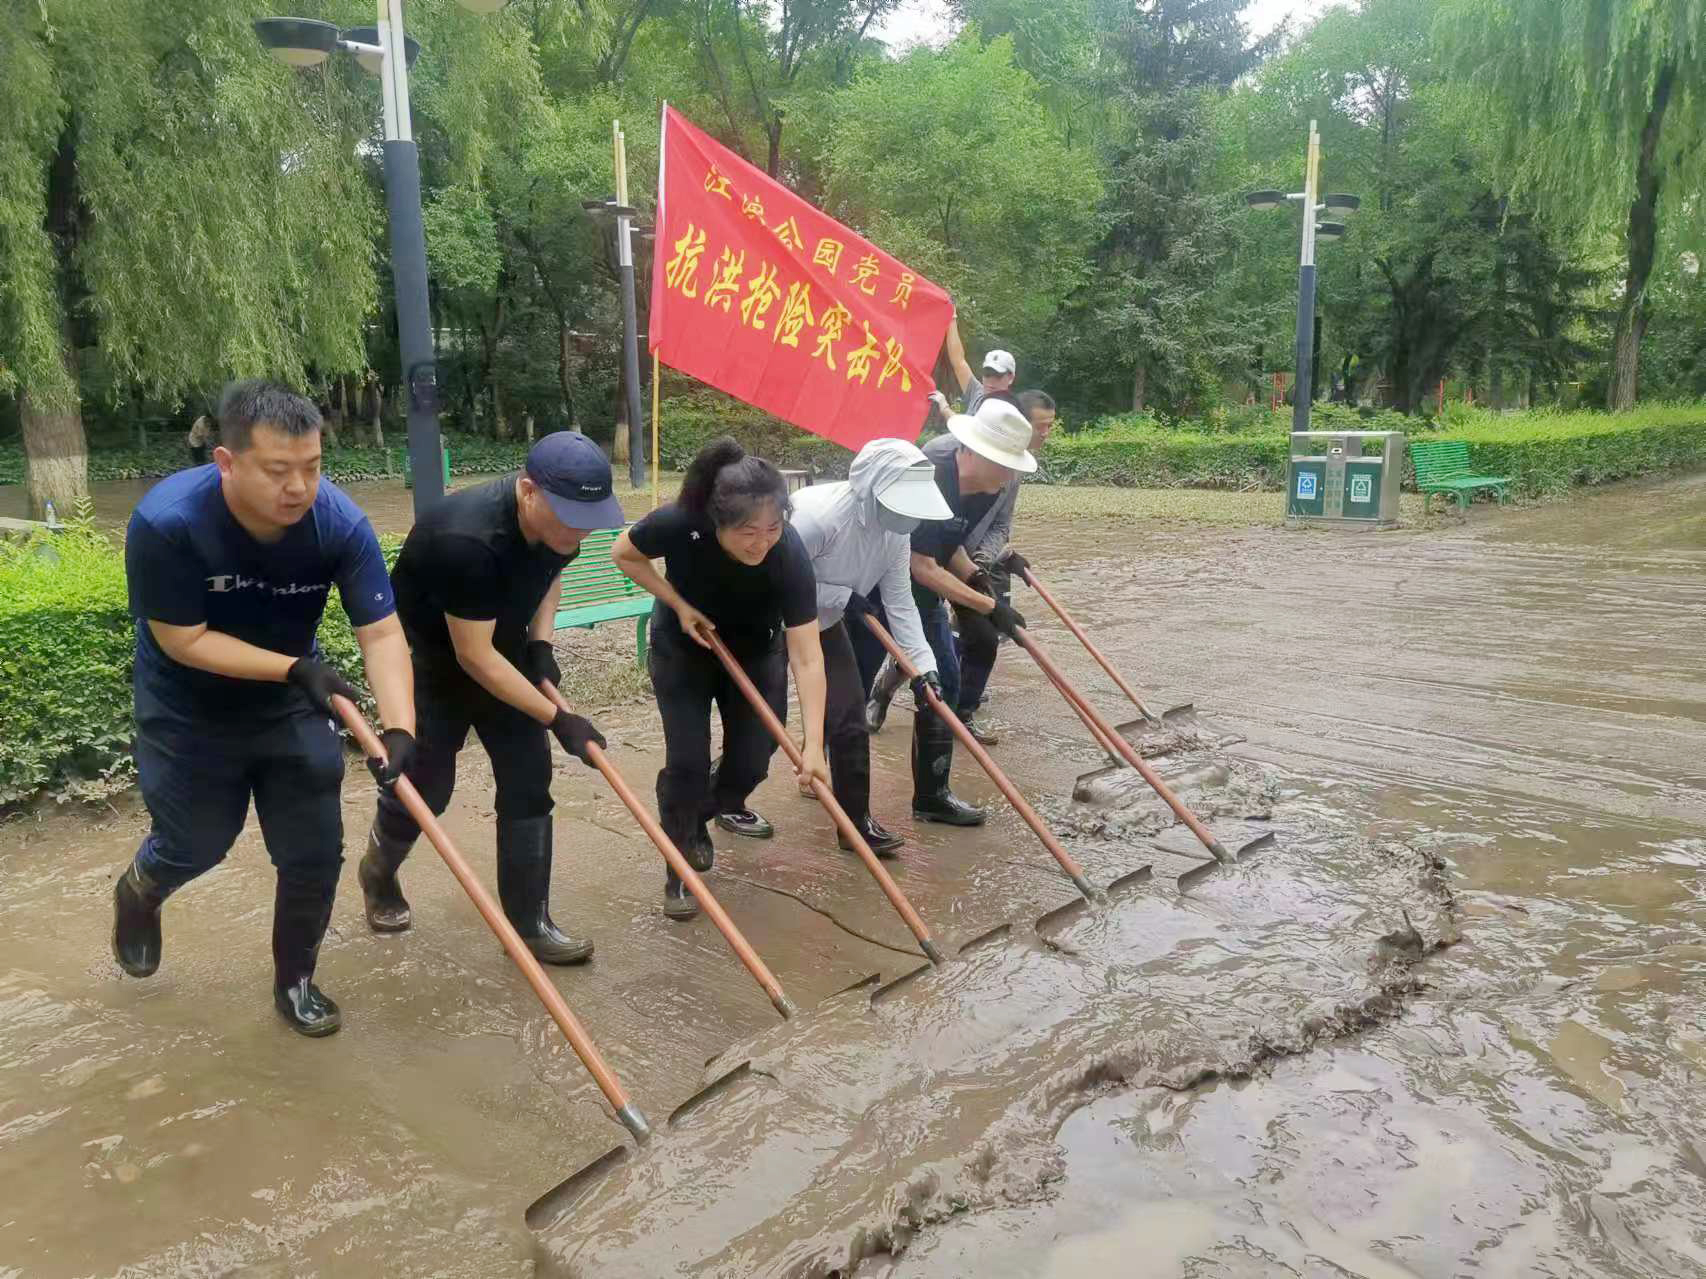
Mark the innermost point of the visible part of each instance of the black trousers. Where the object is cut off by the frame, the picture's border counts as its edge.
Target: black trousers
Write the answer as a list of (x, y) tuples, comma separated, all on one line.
[(977, 656), (868, 650), (847, 741), (447, 705), (688, 680), (197, 780)]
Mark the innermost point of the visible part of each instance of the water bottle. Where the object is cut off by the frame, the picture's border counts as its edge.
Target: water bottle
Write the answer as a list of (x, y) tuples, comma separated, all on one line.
[(51, 514)]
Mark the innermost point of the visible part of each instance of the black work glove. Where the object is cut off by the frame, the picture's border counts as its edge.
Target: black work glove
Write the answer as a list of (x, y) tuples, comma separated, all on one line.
[(979, 582), (858, 606), (1006, 619), (399, 746), (575, 732), (929, 680), (1014, 563), (321, 683), (539, 662)]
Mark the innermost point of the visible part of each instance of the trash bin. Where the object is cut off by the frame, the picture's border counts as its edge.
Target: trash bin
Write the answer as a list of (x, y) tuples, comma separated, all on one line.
[(1344, 479), (409, 473)]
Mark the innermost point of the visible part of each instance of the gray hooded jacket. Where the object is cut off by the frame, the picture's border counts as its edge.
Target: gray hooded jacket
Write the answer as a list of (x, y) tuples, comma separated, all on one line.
[(851, 551)]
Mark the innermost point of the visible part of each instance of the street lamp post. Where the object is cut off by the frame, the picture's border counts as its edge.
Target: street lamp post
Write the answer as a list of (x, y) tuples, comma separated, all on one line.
[(1313, 204), (387, 53)]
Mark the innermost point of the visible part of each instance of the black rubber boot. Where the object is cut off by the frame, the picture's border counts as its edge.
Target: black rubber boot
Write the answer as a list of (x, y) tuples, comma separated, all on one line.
[(136, 922), (883, 842), (698, 850), (387, 908), (743, 821), (678, 903), (932, 758), (883, 688), (524, 888), (301, 910)]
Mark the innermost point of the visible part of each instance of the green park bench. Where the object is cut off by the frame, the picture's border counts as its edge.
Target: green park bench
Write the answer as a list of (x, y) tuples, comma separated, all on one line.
[(1442, 466), (595, 590)]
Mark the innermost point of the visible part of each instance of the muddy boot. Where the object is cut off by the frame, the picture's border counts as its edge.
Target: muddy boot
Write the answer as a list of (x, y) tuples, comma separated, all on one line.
[(524, 888), (678, 903), (387, 908), (883, 842), (136, 922), (932, 757), (301, 910), (883, 688), (977, 724), (698, 851)]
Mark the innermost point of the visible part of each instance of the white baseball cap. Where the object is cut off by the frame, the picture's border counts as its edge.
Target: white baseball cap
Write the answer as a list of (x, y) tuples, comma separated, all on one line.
[(1000, 362), (999, 432)]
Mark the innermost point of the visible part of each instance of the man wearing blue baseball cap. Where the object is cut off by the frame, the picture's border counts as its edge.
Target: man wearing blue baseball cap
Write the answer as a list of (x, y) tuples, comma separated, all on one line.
[(477, 586)]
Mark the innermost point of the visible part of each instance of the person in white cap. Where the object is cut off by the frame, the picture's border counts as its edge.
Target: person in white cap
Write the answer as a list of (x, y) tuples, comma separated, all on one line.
[(973, 462), (858, 534), (997, 373)]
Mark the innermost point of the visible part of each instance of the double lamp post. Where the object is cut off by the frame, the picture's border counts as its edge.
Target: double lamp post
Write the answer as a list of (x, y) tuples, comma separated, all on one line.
[(1313, 204), (385, 51)]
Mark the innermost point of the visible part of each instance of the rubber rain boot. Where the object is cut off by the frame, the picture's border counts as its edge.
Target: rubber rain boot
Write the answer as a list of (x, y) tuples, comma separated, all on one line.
[(678, 903), (524, 888), (932, 758), (850, 774), (883, 688), (136, 921), (301, 910), (387, 909)]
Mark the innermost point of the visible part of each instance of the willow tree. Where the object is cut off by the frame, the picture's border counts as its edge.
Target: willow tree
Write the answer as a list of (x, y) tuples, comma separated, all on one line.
[(1605, 121), (171, 196)]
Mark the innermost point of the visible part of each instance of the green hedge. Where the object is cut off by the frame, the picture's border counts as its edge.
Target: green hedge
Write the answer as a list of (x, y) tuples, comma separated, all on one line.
[(469, 455), (1543, 453), (67, 646), (689, 421), (65, 659)]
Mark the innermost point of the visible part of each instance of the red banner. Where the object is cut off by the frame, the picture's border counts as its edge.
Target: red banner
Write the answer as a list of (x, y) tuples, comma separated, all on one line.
[(765, 297)]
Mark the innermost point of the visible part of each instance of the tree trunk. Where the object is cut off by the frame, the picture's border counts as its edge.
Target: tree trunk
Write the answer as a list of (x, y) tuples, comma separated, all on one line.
[(563, 374), (378, 414), (1139, 386), (773, 165), (56, 454), (619, 444), (1643, 243)]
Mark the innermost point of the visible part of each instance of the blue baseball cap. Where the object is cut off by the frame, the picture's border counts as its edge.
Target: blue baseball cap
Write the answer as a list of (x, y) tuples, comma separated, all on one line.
[(574, 475)]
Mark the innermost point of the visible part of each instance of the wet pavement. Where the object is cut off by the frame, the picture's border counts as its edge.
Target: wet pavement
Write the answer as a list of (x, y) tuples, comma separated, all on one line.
[(1448, 1021)]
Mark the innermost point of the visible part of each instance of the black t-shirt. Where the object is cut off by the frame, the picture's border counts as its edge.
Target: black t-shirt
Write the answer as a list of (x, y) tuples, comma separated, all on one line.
[(746, 603), (467, 557), (939, 539)]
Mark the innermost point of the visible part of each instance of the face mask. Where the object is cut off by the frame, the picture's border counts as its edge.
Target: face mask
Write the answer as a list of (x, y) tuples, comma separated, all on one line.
[(894, 521)]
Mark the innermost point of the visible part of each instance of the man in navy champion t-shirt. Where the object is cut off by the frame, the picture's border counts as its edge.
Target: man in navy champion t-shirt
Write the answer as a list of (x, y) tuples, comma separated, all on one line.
[(230, 566)]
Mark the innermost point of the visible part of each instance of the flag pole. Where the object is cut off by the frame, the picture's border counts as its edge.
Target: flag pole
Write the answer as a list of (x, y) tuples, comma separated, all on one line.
[(654, 430)]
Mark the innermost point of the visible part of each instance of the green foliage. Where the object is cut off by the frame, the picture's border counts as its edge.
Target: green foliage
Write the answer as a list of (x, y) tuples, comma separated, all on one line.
[(949, 162), (691, 421), (65, 659), (1543, 453)]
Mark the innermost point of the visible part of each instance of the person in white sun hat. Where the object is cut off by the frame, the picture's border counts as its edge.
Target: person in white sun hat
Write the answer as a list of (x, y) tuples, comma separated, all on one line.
[(858, 534), (973, 462)]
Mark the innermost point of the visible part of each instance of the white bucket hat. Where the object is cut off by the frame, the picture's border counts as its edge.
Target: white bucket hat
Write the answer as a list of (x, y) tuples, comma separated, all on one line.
[(999, 432)]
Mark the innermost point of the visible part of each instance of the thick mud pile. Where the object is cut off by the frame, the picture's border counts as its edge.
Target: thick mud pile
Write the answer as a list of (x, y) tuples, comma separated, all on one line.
[(879, 1114)]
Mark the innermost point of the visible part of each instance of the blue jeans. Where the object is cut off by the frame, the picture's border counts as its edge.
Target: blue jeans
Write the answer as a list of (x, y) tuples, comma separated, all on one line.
[(197, 779), (939, 632)]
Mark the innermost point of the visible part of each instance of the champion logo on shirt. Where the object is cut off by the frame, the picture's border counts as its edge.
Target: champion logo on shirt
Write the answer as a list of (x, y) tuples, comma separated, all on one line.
[(222, 583)]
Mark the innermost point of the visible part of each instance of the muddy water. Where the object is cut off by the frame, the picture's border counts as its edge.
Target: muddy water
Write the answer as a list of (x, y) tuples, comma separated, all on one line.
[(1489, 737)]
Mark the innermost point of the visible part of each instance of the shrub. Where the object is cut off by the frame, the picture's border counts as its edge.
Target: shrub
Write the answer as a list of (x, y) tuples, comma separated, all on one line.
[(690, 421), (1542, 452), (65, 660)]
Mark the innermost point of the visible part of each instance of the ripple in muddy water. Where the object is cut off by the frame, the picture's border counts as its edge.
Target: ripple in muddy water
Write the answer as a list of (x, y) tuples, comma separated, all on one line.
[(866, 1121)]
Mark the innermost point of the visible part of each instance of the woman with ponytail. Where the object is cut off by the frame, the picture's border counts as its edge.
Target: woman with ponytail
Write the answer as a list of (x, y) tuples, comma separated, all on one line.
[(733, 565)]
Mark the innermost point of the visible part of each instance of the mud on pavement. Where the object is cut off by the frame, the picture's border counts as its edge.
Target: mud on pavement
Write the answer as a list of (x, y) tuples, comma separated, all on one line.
[(1491, 734)]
